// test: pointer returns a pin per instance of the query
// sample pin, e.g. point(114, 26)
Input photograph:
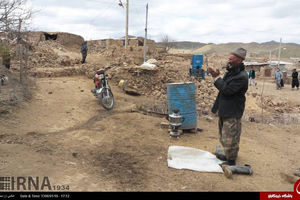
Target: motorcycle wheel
point(106, 99)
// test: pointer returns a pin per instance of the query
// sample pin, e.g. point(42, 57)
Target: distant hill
point(254, 49)
point(184, 45)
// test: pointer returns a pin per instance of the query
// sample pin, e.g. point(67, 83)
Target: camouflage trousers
point(230, 131)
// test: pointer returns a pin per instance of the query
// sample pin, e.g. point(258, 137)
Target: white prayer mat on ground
point(180, 157)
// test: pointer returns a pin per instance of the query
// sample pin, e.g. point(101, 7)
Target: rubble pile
point(216, 61)
point(95, 46)
point(53, 59)
point(45, 54)
point(58, 55)
point(153, 82)
point(280, 106)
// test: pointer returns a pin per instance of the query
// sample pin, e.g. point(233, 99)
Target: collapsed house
point(133, 42)
point(66, 39)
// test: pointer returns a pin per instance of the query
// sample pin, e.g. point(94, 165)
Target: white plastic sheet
point(149, 64)
point(151, 61)
point(180, 157)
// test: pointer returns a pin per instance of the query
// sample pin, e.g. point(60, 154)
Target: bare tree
point(167, 42)
point(14, 20)
point(12, 12)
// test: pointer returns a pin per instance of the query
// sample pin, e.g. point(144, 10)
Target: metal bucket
point(182, 96)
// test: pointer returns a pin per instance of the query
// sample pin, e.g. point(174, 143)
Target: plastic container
point(182, 96)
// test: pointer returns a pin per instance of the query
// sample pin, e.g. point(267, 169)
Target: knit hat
point(240, 52)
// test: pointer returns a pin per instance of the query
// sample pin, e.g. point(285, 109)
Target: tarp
point(180, 157)
point(149, 64)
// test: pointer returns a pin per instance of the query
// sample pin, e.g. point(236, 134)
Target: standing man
point(295, 79)
point(230, 104)
point(278, 77)
point(252, 76)
point(84, 50)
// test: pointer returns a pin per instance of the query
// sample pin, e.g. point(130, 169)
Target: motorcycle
point(102, 90)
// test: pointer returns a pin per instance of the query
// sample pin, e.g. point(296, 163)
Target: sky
point(206, 21)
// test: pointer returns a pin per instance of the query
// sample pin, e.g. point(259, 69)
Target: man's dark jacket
point(295, 80)
point(232, 88)
point(84, 48)
point(295, 75)
point(252, 74)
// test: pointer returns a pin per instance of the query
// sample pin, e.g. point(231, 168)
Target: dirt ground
point(63, 133)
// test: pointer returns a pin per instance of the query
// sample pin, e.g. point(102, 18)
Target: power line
point(100, 2)
point(104, 13)
point(99, 16)
point(139, 14)
point(134, 7)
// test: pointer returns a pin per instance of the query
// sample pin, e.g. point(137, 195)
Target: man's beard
point(231, 65)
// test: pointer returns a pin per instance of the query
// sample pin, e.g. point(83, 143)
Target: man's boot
point(220, 154)
point(228, 162)
point(236, 169)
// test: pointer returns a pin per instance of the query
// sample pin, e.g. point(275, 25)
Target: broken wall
point(68, 40)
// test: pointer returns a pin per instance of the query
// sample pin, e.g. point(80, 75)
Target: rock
point(251, 119)
point(208, 118)
point(132, 91)
point(199, 129)
point(70, 163)
point(4, 111)
point(254, 94)
point(164, 125)
point(184, 187)
point(74, 154)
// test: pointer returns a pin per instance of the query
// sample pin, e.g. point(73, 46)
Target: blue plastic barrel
point(182, 96)
point(197, 60)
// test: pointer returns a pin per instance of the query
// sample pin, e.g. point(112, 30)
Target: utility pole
point(20, 50)
point(126, 31)
point(279, 51)
point(146, 29)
